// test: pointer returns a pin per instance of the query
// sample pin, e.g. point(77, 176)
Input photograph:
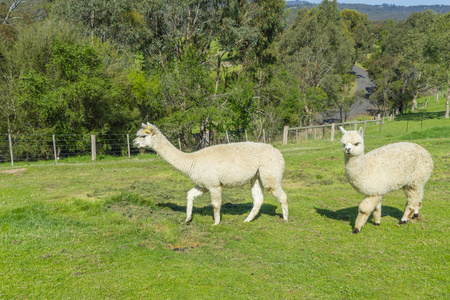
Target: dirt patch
point(13, 171)
point(183, 246)
point(331, 158)
point(130, 211)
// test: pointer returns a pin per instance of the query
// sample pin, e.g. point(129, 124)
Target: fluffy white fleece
point(227, 165)
point(406, 166)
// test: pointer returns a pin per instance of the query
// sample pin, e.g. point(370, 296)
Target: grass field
point(115, 229)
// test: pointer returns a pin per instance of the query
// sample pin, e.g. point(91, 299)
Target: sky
point(396, 2)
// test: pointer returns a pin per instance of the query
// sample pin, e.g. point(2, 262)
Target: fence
point(20, 147)
point(322, 131)
point(31, 147)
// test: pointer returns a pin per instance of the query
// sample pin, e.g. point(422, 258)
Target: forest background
point(206, 66)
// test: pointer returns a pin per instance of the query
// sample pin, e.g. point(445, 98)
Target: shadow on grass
point(350, 214)
point(421, 115)
point(226, 209)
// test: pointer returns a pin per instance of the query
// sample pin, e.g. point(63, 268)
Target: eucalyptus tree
point(407, 41)
point(438, 54)
point(360, 27)
point(316, 49)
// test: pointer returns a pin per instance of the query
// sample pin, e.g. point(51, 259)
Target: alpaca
point(216, 167)
point(388, 168)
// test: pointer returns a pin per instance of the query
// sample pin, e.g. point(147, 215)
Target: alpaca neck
point(178, 159)
point(354, 163)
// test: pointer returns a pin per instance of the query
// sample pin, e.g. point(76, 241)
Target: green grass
point(115, 229)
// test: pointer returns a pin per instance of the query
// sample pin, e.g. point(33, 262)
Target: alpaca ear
point(150, 129)
point(361, 131)
point(342, 130)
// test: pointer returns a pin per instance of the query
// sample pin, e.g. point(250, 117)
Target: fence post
point(381, 124)
point(332, 132)
point(365, 123)
point(128, 145)
point(11, 150)
point(246, 137)
point(93, 148)
point(228, 139)
point(285, 134)
point(54, 148)
point(264, 136)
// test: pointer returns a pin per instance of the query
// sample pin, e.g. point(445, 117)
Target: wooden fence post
point(128, 145)
point(381, 124)
point(264, 136)
point(93, 148)
point(228, 139)
point(54, 148)
point(11, 150)
point(246, 137)
point(285, 135)
point(332, 131)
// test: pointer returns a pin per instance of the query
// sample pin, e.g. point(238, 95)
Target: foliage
point(199, 68)
point(317, 50)
point(404, 65)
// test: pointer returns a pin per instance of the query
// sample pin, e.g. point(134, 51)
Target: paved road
point(362, 106)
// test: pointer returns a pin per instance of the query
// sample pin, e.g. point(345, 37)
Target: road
point(363, 105)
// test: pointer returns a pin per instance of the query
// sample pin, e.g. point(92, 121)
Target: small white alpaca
point(216, 167)
point(388, 168)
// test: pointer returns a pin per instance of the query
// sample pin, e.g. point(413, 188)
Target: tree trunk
point(219, 62)
point(414, 104)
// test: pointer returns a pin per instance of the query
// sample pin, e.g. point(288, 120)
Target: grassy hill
point(115, 229)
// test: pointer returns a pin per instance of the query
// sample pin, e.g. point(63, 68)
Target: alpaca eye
point(356, 144)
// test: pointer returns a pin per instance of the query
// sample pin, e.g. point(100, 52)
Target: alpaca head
point(145, 136)
point(352, 142)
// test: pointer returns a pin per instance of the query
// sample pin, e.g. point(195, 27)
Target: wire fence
point(33, 147)
point(58, 147)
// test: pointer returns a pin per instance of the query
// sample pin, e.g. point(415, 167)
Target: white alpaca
point(388, 168)
point(216, 167)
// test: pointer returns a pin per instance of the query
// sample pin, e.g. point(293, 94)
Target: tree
point(57, 83)
point(438, 54)
point(360, 27)
point(316, 48)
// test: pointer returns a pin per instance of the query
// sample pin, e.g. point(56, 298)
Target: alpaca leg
point(258, 199)
point(216, 201)
point(280, 195)
point(377, 215)
point(366, 207)
point(191, 195)
point(414, 203)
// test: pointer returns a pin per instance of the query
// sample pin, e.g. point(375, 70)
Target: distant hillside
point(375, 12)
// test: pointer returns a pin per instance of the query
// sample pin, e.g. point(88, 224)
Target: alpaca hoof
point(355, 231)
point(376, 224)
point(416, 216)
point(188, 220)
point(402, 222)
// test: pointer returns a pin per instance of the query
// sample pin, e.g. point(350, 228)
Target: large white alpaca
point(388, 168)
point(216, 167)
